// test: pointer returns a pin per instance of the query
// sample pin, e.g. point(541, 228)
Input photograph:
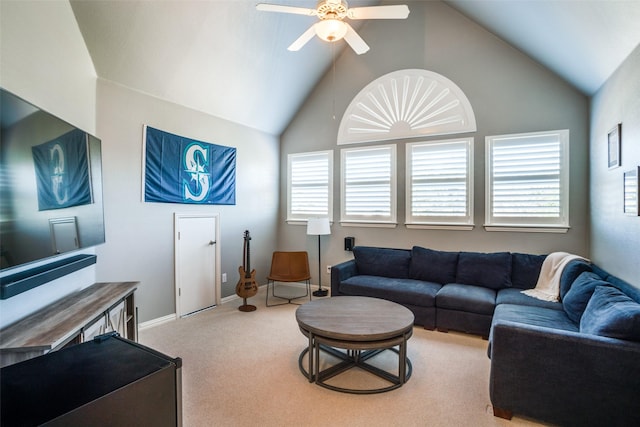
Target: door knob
point(211, 243)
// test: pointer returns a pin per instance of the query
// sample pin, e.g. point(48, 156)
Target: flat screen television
point(50, 186)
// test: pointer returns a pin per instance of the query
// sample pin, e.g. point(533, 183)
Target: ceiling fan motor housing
point(332, 9)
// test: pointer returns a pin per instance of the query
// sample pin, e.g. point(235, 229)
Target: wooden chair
point(288, 267)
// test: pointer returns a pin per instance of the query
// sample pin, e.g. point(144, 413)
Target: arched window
point(406, 104)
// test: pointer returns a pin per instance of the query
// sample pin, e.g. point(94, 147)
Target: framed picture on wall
point(613, 144)
point(631, 190)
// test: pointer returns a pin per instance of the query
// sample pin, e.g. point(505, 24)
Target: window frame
point(291, 158)
point(388, 221)
point(558, 224)
point(450, 222)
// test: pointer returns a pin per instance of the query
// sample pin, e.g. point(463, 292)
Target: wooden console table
point(78, 317)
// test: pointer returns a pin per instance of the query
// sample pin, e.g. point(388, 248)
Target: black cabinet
point(110, 381)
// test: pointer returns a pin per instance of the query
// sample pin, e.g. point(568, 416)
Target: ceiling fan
point(332, 26)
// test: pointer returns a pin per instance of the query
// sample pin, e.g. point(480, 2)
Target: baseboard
point(155, 322)
point(229, 298)
point(168, 318)
point(260, 287)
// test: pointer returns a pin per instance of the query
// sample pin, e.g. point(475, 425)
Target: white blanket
point(548, 286)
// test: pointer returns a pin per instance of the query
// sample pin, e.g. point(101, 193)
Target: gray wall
point(615, 237)
point(509, 92)
point(140, 235)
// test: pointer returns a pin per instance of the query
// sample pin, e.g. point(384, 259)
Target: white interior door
point(197, 262)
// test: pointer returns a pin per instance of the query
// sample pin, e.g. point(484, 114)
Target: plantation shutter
point(369, 184)
point(528, 177)
point(439, 182)
point(310, 183)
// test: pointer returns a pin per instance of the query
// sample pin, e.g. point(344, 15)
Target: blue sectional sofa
point(572, 362)
point(444, 290)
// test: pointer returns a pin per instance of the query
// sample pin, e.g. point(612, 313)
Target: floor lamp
point(319, 227)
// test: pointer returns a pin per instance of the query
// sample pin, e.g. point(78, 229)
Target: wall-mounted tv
point(50, 186)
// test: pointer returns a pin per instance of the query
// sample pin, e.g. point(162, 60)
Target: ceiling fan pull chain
point(333, 55)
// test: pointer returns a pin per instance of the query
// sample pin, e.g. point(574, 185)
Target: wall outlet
point(328, 269)
point(224, 277)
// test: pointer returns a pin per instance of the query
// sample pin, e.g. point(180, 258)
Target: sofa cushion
point(491, 270)
point(515, 296)
point(570, 273)
point(472, 299)
point(534, 316)
point(525, 269)
point(612, 314)
point(382, 261)
point(576, 300)
point(402, 291)
point(433, 266)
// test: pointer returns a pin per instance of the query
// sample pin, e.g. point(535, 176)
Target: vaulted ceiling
point(225, 58)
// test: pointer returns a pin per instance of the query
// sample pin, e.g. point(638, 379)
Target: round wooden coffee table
point(355, 329)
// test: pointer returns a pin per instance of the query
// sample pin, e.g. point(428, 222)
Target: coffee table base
point(354, 358)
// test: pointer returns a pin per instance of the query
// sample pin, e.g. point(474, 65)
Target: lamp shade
point(331, 30)
point(318, 226)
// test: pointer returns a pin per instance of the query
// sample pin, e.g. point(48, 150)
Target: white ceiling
point(225, 58)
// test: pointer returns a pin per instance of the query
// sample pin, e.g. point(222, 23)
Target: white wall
point(509, 92)
point(615, 237)
point(43, 59)
point(140, 235)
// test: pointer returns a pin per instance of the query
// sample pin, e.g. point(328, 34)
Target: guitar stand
point(246, 307)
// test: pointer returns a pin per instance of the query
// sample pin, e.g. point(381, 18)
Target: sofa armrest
point(564, 377)
point(342, 272)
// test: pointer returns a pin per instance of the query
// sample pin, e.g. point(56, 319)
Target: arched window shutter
point(406, 104)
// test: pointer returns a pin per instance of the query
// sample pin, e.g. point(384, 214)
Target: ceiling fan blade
point(355, 41)
point(400, 11)
point(303, 39)
point(265, 7)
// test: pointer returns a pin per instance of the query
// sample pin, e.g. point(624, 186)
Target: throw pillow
point(491, 270)
point(612, 314)
point(570, 274)
point(433, 266)
point(525, 270)
point(576, 300)
point(382, 261)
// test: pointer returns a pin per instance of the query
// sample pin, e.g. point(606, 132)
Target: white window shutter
point(369, 184)
point(527, 179)
point(440, 182)
point(310, 185)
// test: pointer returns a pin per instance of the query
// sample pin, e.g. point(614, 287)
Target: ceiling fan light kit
point(332, 26)
point(330, 30)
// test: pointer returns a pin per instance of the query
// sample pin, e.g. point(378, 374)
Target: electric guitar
point(247, 286)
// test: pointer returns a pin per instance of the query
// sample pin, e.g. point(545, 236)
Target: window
point(406, 104)
point(527, 181)
point(369, 185)
point(310, 185)
point(440, 184)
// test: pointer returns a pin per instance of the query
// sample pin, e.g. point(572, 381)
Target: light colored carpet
point(241, 369)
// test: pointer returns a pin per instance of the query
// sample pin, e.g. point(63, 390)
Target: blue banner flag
point(183, 170)
point(62, 171)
